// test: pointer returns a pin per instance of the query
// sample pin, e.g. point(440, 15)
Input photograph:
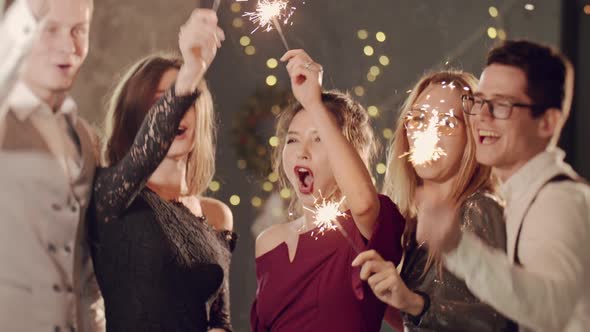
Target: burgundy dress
point(320, 290)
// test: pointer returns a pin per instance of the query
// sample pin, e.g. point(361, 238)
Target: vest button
point(56, 207)
point(56, 288)
point(51, 247)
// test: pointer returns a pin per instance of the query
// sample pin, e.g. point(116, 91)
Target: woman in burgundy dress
point(305, 278)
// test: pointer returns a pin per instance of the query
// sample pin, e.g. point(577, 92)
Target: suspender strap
point(557, 178)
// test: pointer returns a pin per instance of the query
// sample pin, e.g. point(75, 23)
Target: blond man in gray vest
point(48, 162)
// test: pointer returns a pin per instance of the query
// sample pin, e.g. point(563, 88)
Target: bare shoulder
point(270, 238)
point(218, 214)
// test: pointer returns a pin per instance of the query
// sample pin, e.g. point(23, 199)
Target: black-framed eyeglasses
point(498, 108)
point(419, 119)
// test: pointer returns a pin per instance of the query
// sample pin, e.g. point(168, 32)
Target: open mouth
point(487, 136)
point(305, 177)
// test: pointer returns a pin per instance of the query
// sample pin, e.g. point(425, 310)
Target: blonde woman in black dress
point(161, 251)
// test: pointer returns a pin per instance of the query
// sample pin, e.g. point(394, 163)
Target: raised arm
point(18, 28)
point(349, 170)
point(116, 186)
point(543, 294)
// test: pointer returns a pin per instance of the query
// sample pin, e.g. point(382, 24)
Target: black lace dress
point(159, 267)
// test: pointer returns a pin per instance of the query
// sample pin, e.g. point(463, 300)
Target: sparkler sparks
point(269, 14)
point(269, 11)
point(326, 214)
point(426, 149)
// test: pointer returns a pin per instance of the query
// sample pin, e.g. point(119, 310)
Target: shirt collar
point(520, 182)
point(23, 103)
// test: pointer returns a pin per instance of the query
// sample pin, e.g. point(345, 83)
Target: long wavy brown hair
point(130, 102)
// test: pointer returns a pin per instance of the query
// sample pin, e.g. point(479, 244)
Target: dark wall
point(576, 34)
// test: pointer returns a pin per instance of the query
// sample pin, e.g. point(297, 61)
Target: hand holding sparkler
point(386, 283)
point(306, 77)
point(198, 40)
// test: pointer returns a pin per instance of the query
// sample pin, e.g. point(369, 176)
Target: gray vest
point(43, 249)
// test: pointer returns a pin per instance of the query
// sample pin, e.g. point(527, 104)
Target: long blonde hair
point(352, 118)
point(401, 179)
point(130, 102)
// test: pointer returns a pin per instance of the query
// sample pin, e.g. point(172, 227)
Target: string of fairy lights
point(372, 46)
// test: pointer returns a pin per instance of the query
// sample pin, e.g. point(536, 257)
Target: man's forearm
point(17, 30)
point(537, 302)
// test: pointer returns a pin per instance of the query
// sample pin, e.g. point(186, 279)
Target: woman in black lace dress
point(161, 252)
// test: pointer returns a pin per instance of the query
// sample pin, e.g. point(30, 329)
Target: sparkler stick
point(269, 13)
point(356, 249)
point(280, 31)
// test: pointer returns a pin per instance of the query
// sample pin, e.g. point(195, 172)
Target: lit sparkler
point(426, 149)
point(326, 214)
point(269, 14)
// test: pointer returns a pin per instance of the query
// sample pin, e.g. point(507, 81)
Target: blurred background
point(375, 49)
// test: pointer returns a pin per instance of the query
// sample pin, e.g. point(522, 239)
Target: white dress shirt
point(549, 291)
point(53, 126)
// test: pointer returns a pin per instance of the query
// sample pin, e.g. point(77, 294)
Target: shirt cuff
point(19, 23)
point(465, 259)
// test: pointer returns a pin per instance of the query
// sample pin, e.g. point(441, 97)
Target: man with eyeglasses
point(516, 114)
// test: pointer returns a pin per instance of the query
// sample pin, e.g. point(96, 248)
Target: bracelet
point(417, 319)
